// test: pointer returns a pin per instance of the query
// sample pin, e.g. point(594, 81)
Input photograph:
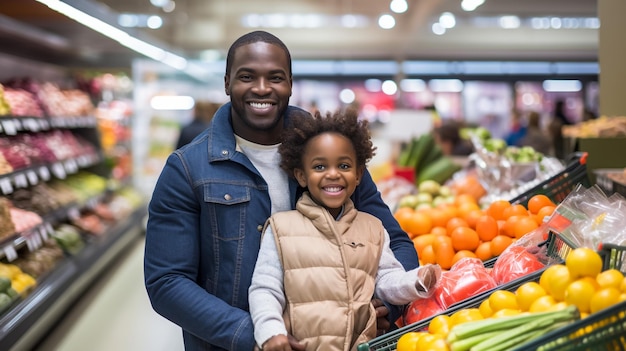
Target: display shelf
point(23, 325)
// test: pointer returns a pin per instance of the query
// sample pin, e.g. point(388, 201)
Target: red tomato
point(421, 309)
point(515, 262)
point(465, 279)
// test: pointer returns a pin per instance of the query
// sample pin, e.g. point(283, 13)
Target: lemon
point(604, 298)
point(610, 278)
point(579, 293)
point(527, 293)
point(501, 299)
point(584, 262)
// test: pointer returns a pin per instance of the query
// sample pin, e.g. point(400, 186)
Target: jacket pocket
point(226, 209)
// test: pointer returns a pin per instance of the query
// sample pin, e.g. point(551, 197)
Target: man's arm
point(367, 199)
point(171, 263)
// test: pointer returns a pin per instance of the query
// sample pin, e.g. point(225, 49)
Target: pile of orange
point(446, 233)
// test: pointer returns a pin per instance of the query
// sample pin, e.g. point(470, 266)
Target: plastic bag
point(466, 278)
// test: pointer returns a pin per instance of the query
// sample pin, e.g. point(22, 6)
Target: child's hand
point(427, 278)
point(277, 343)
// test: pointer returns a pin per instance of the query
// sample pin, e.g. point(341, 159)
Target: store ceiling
point(29, 29)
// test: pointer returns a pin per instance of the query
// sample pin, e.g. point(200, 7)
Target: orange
point(545, 211)
point(454, 223)
point(427, 255)
point(439, 231)
point(461, 199)
point(501, 299)
point(464, 238)
point(584, 262)
point(486, 227)
point(444, 253)
point(537, 202)
point(438, 217)
point(409, 341)
point(419, 223)
point(483, 251)
point(450, 210)
point(462, 254)
point(421, 241)
point(604, 298)
point(610, 278)
point(527, 293)
point(499, 244)
point(496, 208)
point(579, 293)
point(523, 226)
point(403, 215)
point(514, 210)
point(465, 208)
point(472, 217)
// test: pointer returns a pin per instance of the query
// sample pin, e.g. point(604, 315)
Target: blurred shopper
point(214, 195)
point(325, 252)
point(555, 129)
point(448, 137)
point(202, 114)
point(517, 131)
point(535, 136)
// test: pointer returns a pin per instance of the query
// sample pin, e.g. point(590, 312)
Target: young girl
point(320, 265)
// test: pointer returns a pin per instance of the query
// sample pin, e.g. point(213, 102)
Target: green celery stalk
point(467, 343)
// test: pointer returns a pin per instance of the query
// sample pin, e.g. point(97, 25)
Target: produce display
point(601, 127)
point(506, 319)
point(425, 158)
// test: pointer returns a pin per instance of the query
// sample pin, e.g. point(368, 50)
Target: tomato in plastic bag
point(515, 262)
point(467, 278)
point(421, 309)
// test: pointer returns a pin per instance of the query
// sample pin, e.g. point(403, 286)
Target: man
point(214, 196)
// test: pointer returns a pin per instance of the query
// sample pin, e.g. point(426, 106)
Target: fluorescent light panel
point(117, 34)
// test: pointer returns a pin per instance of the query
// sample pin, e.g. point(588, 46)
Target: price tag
point(58, 170)
point(10, 253)
point(32, 177)
point(9, 127)
point(33, 240)
point(49, 228)
point(44, 173)
point(6, 186)
point(43, 232)
point(71, 167)
point(20, 180)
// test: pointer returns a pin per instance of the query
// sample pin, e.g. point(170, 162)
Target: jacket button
point(224, 152)
point(227, 197)
point(259, 227)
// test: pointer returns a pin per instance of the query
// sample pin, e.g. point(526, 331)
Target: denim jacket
point(205, 220)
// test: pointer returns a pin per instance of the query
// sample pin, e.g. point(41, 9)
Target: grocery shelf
point(23, 325)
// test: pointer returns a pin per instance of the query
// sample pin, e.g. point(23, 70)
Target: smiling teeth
point(260, 105)
point(333, 189)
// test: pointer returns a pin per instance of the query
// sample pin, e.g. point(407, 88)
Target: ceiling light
point(373, 85)
point(154, 22)
point(445, 85)
point(172, 102)
point(159, 3)
point(389, 87)
point(553, 85)
point(347, 96)
point(447, 20)
point(412, 85)
point(509, 22)
point(386, 22)
point(398, 6)
point(169, 7)
point(438, 29)
point(471, 5)
point(154, 52)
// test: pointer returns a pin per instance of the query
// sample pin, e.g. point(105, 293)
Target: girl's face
point(330, 170)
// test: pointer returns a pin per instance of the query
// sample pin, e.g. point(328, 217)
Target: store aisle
point(115, 314)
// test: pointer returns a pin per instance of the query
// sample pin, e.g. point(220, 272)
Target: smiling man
point(215, 194)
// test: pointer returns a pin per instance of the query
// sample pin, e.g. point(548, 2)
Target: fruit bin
point(558, 187)
point(557, 247)
point(610, 186)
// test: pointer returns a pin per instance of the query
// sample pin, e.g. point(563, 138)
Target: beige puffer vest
point(330, 269)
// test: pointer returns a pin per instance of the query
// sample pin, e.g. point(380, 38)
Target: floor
point(115, 314)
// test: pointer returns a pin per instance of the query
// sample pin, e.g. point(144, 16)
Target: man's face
point(259, 86)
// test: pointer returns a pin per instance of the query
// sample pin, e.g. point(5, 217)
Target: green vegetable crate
point(559, 186)
point(604, 330)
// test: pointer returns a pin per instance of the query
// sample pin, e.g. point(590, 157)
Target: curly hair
point(305, 127)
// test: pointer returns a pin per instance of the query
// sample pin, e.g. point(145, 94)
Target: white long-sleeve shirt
point(267, 297)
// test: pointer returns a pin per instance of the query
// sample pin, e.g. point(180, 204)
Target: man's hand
point(382, 323)
point(295, 344)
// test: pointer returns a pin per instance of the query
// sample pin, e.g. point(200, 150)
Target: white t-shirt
point(266, 159)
